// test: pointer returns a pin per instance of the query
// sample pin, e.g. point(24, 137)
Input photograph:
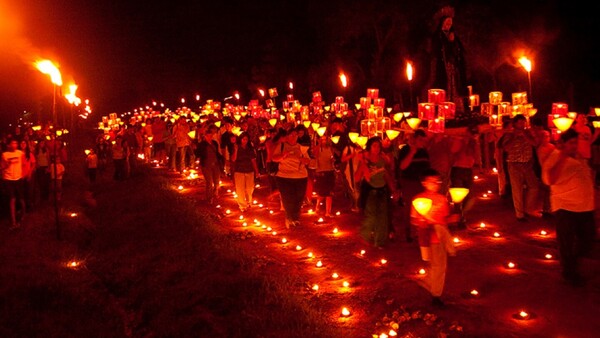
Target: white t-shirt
point(574, 189)
point(14, 159)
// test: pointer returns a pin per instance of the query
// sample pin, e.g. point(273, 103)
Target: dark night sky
point(125, 53)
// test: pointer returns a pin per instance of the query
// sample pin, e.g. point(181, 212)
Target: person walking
point(572, 201)
point(434, 237)
point(13, 165)
point(292, 176)
point(376, 187)
point(245, 169)
point(519, 146)
point(211, 162)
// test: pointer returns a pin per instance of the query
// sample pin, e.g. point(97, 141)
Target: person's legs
point(565, 235)
point(381, 224)
point(438, 269)
point(249, 187)
point(515, 172)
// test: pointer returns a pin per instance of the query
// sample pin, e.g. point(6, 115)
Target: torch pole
point(54, 165)
point(530, 91)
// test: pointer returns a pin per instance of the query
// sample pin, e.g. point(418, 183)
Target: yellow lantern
point(422, 205)
point(597, 111)
point(353, 136)
point(192, 134)
point(273, 122)
point(458, 194)
point(321, 131)
point(362, 141)
point(392, 134)
point(218, 124)
point(413, 122)
point(398, 116)
point(87, 151)
point(306, 124)
point(315, 126)
point(596, 124)
point(357, 105)
point(335, 139)
point(563, 123)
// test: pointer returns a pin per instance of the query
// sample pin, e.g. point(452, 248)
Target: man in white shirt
point(572, 200)
point(13, 166)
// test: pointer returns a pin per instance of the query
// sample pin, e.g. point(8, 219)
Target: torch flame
point(526, 63)
point(409, 71)
point(47, 67)
point(344, 80)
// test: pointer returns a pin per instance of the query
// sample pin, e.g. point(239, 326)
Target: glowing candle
point(548, 256)
point(511, 265)
point(241, 217)
point(298, 248)
point(319, 264)
point(346, 284)
point(474, 292)
point(523, 315)
point(337, 213)
point(335, 275)
point(421, 271)
point(180, 187)
point(362, 252)
point(335, 230)
point(383, 261)
point(543, 233)
point(456, 240)
point(315, 287)
point(244, 224)
point(496, 234)
point(482, 225)
point(73, 214)
point(310, 255)
point(345, 312)
point(284, 240)
point(274, 233)
point(228, 211)
point(320, 220)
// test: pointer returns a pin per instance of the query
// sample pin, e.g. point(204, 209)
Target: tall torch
point(409, 76)
point(48, 68)
point(526, 63)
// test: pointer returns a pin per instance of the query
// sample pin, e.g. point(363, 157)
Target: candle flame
point(345, 312)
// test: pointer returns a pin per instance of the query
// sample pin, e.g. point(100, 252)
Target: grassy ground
point(150, 264)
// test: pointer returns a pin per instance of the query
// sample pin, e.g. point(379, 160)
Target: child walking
point(432, 229)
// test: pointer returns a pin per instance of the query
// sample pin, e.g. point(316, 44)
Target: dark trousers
point(292, 192)
point(575, 232)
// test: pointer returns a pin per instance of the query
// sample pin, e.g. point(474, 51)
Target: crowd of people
point(31, 160)
point(319, 168)
point(380, 180)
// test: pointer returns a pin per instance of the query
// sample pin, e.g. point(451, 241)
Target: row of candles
point(423, 206)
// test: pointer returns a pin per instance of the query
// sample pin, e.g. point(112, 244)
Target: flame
point(262, 92)
point(48, 68)
point(526, 63)
point(291, 85)
point(343, 80)
point(409, 71)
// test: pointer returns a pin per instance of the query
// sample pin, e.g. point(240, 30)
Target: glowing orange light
point(298, 248)
point(422, 271)
point(383, 261)
point(343, 80)
point(315, 287)
point(543, 233)
point(345, 312)
point(335, 275)
point(496, 234)
point(474, 292)
point(284, 240)
point(409, 71)
point(526, 63)
point(548, 256)
point(511, 265)
point(319, 264)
